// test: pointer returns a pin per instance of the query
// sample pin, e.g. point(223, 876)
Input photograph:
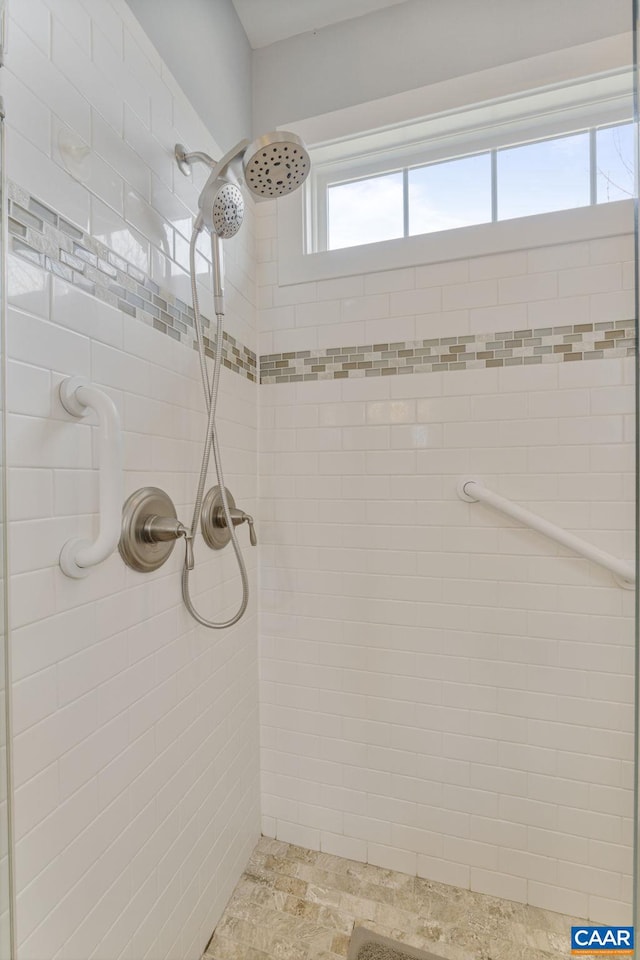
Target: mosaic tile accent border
point(43, 237)
point(506, 348)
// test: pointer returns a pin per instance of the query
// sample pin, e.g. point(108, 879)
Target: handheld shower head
point(271, 166)
point(222, 207)
point(276, 164)
point(221, 212)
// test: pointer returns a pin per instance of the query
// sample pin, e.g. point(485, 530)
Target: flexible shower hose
point(210, 443)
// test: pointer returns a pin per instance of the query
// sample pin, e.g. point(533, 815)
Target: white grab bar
point(79, 397)
point(473, 490)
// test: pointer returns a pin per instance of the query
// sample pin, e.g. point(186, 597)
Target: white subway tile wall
point(442, 691)
point(136, 730)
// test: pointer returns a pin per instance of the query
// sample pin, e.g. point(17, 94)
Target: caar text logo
point(601, 941)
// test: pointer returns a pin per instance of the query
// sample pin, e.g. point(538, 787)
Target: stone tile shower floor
point(297, 904)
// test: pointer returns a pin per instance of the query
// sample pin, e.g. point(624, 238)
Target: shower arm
point(185, 160)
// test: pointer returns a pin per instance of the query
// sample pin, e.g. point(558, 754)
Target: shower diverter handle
point(214, 523)
point(238, 517)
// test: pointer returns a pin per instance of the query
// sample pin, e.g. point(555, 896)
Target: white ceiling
point(266, 21)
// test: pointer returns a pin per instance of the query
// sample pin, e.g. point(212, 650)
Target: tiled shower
point(438, 690)
point(419, 683)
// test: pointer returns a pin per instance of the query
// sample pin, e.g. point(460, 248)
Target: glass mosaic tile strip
point(506, 348)
point(41, 236)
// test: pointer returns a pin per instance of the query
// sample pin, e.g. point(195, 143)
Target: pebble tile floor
point(298, 904)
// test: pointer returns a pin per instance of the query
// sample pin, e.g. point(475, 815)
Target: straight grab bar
point(474, 490)
point(79, 397)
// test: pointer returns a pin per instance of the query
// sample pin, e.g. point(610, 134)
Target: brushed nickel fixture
point(272, 166)
point(215, 531)
point(150, 528)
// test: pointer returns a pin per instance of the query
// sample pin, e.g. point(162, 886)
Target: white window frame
point(327, 178)
point(528, 113)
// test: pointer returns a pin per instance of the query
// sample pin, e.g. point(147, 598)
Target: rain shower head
point(276, 164)
point(272, 166)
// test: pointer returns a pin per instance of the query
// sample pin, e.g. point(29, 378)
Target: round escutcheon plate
point(138, 552)
point(214, 529)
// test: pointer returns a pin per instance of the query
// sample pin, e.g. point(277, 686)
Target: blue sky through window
point(365, 211)
point(545, 176)
point(531, 178)
point(455, 193)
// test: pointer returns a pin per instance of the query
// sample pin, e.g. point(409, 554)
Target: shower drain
point(366, 945)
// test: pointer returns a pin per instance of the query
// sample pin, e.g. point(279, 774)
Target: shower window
point(577, 169)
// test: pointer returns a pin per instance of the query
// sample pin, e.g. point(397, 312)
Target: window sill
point(547, 229)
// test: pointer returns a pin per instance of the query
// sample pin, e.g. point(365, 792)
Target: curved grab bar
point(473, 490)
point(79, 397)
